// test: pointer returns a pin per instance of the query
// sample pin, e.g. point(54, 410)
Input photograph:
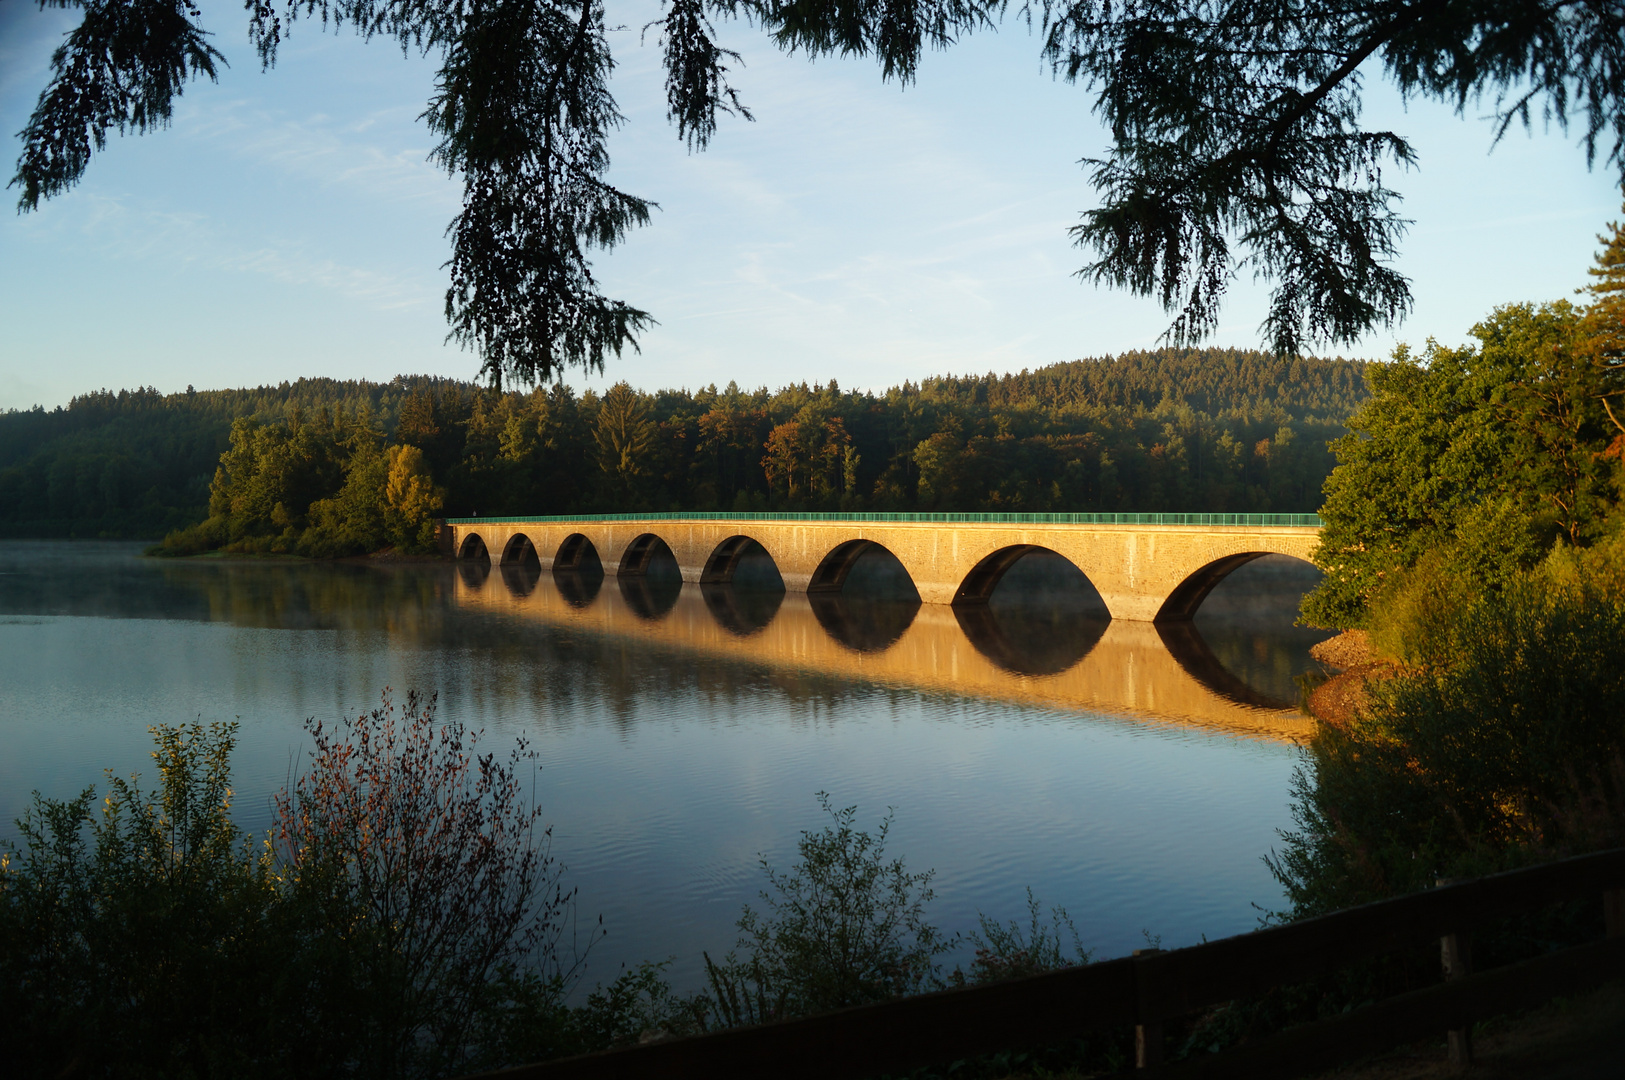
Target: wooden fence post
point(1147, 1036)
point(1456, 954)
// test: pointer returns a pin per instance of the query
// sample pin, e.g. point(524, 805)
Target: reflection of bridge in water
point(1164, 672)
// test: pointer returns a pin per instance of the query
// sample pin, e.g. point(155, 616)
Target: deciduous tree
point(1485, 455)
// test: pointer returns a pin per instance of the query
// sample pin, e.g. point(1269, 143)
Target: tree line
point(1211, 429)
point(1193, 430)
point(138, 463)
point(1196, 430)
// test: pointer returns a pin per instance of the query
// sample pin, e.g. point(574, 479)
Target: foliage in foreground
point(847, 926)
point(1499, 741)
point(404, 898)
point(842, 927)
point(1474, 525)
point(1236, 137)
point(403, 918)
point(144, 937)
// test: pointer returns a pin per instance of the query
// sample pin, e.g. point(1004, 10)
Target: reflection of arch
point(640, 553)
point(741, 613)
point(1192, 653)
point(649, 599)
point(1189, 594)
point(519, 549)
point(474, 571)
point(1029, 646)
point(473, 547)
point(577, 553)
point(861, 623)
point(521, 575)
point(727, 556)
point(578, 587)
point(836, 566)
point(984, 577)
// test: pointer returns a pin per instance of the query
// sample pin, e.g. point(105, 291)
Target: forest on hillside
point(1197, 430)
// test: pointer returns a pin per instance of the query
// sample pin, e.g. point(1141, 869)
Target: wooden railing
point(1152, 987)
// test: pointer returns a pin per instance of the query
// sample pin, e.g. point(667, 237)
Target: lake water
point(1133, 775)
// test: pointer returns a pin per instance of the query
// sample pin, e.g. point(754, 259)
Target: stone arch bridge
point(1147, 567)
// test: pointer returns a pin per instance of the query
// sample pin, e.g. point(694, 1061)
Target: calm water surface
point(1132, 775)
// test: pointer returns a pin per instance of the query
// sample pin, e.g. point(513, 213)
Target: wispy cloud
point(17, 392)
point(123, 231)
point(380, 155)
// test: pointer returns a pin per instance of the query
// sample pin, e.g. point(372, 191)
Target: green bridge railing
point(1288, 520)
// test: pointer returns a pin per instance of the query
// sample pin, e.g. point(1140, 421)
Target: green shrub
point(139, 939)
point(1501, 744)
point(1487, 454)
point(422, 857)
point(1009, 951)
point(403, 919)
point(192, 540)
point(842, 927)
point(1411, 622)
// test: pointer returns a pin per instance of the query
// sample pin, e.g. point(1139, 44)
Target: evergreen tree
point(1606, 321)
point(625, 438)
point(1236, 140)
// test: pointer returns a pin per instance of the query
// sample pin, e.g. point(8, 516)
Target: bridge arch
point(831, 572)
point(978, 586)
point(742, 553)
point(519, 549)
point(837, 565)
point(473, 547)
point(1182, 603)
point(642, 553)
point(577, 553)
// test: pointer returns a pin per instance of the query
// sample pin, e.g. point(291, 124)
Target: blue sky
point(289, 224)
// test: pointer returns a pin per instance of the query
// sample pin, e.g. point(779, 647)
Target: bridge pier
point(1143, 572)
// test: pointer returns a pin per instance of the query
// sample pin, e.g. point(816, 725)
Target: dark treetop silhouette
point(1235, 127)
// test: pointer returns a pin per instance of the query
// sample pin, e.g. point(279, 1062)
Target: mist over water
point(1132, 774)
